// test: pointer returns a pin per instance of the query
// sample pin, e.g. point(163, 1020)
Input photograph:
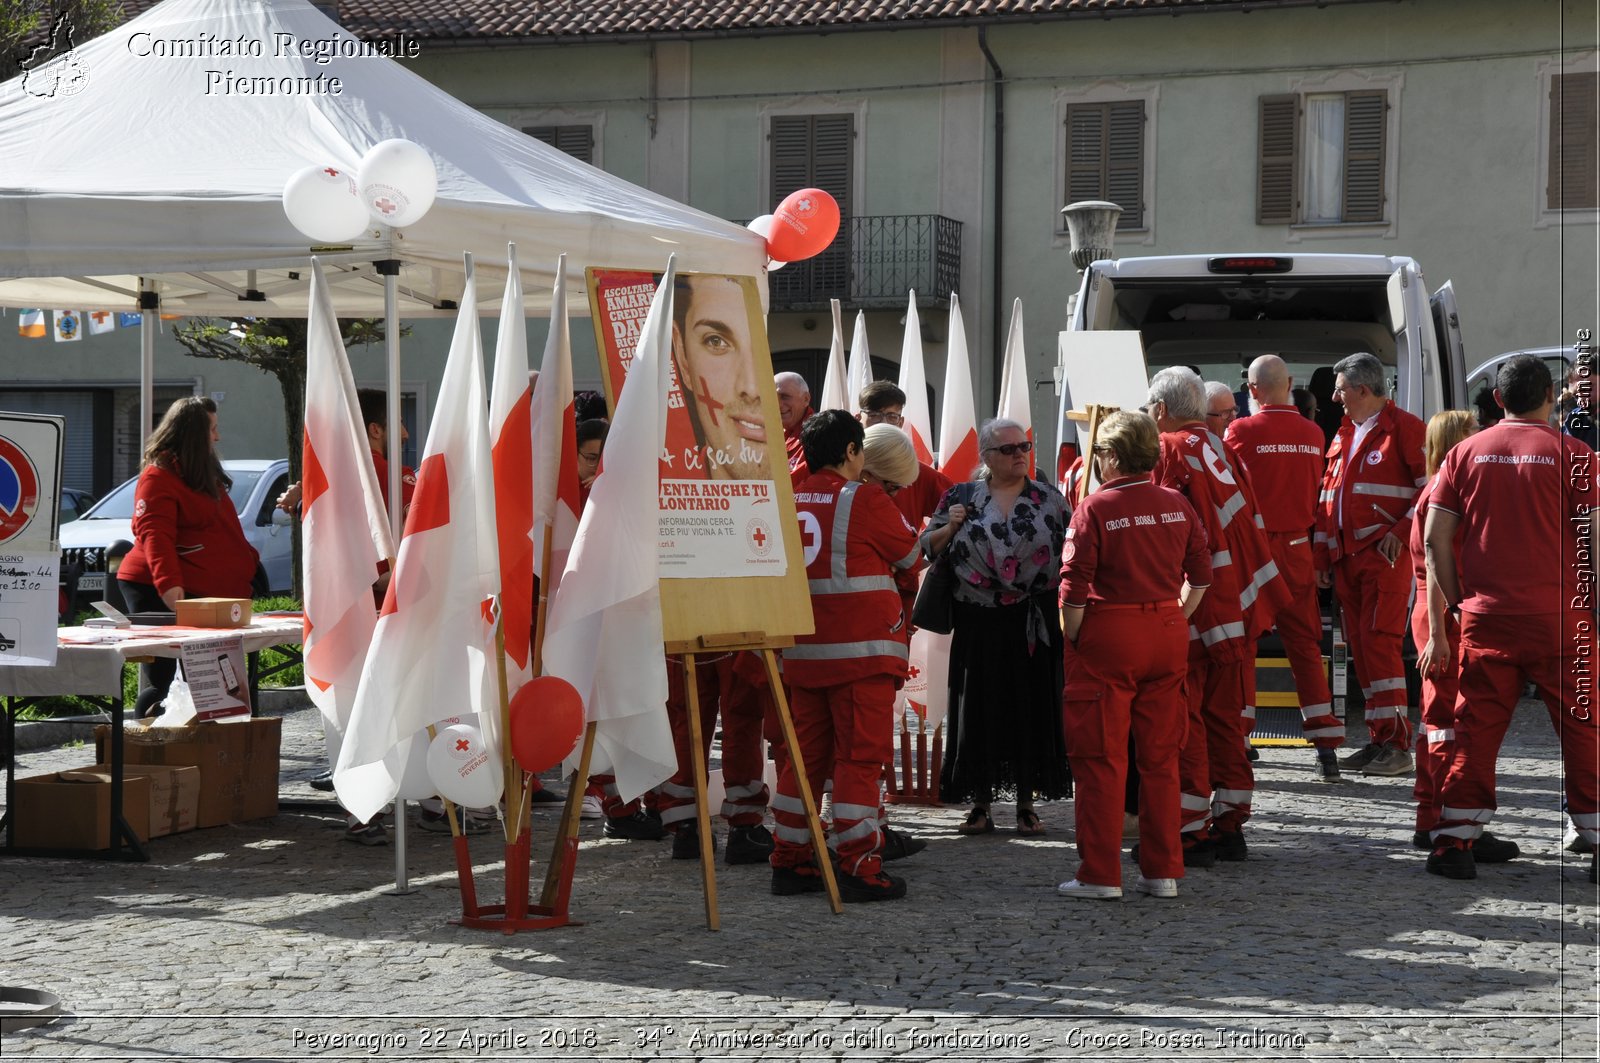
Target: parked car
point(74, 502)
point(256, 487)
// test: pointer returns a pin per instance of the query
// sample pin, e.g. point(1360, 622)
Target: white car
point(256, 487)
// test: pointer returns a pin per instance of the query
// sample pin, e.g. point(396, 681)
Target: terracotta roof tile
point(556, 19)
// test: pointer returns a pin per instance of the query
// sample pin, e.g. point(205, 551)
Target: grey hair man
point(1361, 548)
point(1221, 407)
point(1177, 397)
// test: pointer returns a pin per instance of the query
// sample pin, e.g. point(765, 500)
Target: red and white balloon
point(321, 202)
point(398, 182)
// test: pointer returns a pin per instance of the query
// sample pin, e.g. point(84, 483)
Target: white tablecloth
point(90, 660)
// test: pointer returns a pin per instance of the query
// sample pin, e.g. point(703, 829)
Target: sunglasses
point(1011, 450)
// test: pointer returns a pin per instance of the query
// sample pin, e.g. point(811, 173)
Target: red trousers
point(846, 733)
point(1213, 768)
point(1300, 627)
point(1556, 652)
point(1373, 595)
point(1436, 738)
point(1127, 673)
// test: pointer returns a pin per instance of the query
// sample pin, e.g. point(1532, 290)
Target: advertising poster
point(215, 672)
point(719, 513)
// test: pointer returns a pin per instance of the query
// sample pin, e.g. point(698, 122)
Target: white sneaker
point(1089, 891)
point(592, 808)
point(1157, 887)
point(1574, 842)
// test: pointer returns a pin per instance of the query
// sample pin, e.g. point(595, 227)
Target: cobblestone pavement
point(277, 940)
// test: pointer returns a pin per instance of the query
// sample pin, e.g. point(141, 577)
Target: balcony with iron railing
point(872, 264)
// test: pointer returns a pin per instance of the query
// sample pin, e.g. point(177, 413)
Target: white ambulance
point(1218, 312)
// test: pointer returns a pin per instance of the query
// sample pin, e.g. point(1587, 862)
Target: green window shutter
point(1365, 124)
point(575, 140)
point(1125, 161)
point(1277, 159)
point(1086, 152)
point(1573, 158)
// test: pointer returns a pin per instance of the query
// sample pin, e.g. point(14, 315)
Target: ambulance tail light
point(1251, 264)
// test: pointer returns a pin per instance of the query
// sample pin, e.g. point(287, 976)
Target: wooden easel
point(1091, 414)
point(767, 647)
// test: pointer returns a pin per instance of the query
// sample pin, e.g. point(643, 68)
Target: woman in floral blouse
point(1004, 532)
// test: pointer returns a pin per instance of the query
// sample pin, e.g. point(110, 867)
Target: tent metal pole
point(148, 302)
point(390, 270)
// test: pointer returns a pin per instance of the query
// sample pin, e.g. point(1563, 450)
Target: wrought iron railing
point(873, 262)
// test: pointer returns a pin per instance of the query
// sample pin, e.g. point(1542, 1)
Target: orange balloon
point(804, 224)
point(546, 719)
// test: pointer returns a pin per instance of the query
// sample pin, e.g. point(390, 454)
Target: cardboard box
point(213, 612)
point(238, 763)
point(72, 809)
point(174, 796)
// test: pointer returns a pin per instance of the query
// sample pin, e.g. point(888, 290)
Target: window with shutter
point(575, 140)
point(1573, 164)
point(815, 151)
point(1105, 157)
point(1322, 158)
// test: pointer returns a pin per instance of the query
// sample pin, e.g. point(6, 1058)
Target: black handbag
point(934, 609)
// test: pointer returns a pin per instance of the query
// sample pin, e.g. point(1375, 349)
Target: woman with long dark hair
point(187, 541)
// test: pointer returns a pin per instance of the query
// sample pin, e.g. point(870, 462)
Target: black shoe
point(1229, 846)
point(898, 846)
point(748, 845)
point(654, 816)
point(1451, 862)
point(686, 841)
point(789, 881)
point(857, 889)
point(638, 827)
point(543, 796)
point(1200, 854)
point(1423, 840)
point(323, 782)
point(1361, 757)
point(1491, 850)
point(1594, 868)
point(1252, 754)
point(1328, 766)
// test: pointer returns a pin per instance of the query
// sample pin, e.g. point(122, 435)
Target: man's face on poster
point(714, 352)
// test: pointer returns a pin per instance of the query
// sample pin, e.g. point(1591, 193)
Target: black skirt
point(1004, 724)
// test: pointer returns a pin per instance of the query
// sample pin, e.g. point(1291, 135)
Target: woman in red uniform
point(187, 542)
point(1437, 636)
point(1125, 604)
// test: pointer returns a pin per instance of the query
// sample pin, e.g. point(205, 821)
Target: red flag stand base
point(518, 913)
point(921, 759)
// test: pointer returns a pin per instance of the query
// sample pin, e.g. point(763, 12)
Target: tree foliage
point(33, 32)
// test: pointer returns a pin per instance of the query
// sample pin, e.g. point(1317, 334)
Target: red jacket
point(1246, 589)
point(1368, 495)
point(859, 622)
point(185, 538)
point(1282, 452)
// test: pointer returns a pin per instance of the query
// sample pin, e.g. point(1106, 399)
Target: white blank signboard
point(1104, 368)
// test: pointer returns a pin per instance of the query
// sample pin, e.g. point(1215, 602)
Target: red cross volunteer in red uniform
point(794, 409)
point(1282, 451)
point(1215, 772)
point(845, 675)
point(1134, 567)
point(1524, 498)
point(1375, 469)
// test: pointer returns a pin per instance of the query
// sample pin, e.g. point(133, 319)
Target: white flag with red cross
point(914, 382)
point(958, 419)
point(511, 452)
point(344, 527)
point(556, 498)
point(1015, 396)
point(433, 654)
point(605, 633)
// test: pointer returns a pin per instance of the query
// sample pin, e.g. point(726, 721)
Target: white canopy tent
point(147, 169)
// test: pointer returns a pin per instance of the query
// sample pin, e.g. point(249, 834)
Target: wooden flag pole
point(819, 843)
point(512, 777)
point(469, 890)
point(708, 866)
point(1092, 414)
point(563, 857)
